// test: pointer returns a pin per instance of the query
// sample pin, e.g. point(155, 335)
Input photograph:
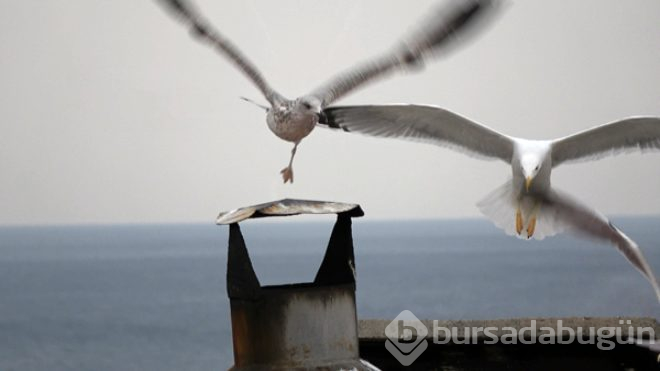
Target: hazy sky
point(111, 113)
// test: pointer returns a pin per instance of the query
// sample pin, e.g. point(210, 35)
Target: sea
point(153, 297)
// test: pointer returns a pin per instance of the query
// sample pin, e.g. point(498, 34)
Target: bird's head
point(530, 164)
point(310, 105)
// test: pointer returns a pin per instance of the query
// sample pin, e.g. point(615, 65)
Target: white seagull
point(526, 206)
point(293, 120)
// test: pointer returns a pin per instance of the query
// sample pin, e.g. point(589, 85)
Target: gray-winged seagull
point(293, 120)
point(527, 202)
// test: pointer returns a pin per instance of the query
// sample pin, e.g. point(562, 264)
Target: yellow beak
point(528, 183)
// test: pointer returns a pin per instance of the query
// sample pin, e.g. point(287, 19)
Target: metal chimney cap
point(288, 207)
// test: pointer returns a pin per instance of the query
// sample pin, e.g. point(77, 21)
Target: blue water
point(153, 297)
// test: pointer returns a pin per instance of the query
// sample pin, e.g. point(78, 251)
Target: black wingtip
point(199, 30)
point(188, 14)
point(448, 26)
point(463, 19)
point(328, 119)
point(179, 7)
point(323, 118)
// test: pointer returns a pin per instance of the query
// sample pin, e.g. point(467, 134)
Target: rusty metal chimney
point(302, 326)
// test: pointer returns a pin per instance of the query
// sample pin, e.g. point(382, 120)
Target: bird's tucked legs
point(287, 172)
point(519, 219)
point(531, 224)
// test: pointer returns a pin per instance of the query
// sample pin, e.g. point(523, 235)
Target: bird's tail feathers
point(501, 205)
point(559, 212)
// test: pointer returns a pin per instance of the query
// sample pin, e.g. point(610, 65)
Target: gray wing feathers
point(350, 80)
point(588, 222)
point(422, 123)
point(444, 25)
point(441, 26)
point(630, 134)
point(204, 31)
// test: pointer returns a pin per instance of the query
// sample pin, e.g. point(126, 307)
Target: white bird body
point(527, 205)
point(293, 120)
point(532, 159)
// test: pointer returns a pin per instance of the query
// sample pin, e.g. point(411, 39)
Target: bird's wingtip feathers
point(444, 25)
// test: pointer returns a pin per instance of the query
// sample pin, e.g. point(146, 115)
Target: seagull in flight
point(526, 206)
point(293, 119)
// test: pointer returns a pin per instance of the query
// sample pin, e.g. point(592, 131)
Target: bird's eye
point(306, 105)
point(536, 168)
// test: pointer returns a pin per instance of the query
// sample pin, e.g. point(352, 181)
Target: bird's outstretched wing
point(442, 26)
point(202, 29)
point(422, 123)
point(585, 221)
point(634, 133)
